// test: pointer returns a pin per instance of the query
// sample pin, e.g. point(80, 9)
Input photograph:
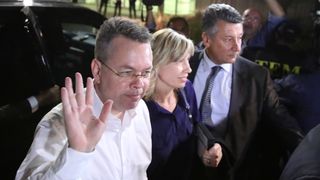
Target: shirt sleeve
point(34, 104)
point(49, 156)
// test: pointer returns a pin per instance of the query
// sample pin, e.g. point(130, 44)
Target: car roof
point(63, 9)
point(38, 3)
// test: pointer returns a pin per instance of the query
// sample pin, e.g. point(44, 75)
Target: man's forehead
point(252, 12)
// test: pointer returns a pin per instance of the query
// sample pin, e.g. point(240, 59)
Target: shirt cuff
point(73, 164)
point(33, 103)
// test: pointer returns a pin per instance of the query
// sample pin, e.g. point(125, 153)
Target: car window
point(69, 39)
point(21, 60)
point(80, 32)
point(34, 56)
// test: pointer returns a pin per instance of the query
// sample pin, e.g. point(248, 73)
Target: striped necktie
point(205, 106)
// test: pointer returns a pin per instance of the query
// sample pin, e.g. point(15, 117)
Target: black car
point(40, 44)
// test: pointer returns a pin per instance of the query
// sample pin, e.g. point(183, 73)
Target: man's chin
point(132, 104)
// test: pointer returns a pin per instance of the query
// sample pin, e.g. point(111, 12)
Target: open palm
point(84, 130)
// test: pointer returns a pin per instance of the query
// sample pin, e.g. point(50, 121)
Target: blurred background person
point(281, 54)
point(103, 5)
point(132, 8)
point(299, 92)
point(256, 28)
point(180, 25)
point(117, 8)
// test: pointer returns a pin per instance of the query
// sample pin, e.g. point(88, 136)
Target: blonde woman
point(174, 150)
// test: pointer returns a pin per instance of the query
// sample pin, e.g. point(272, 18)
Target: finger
point(106, 109)
point(79, 90)
point(206, 155)
point(206, 162)
point(206, 158)
point(67, 109)
point(65, 101)
point(215, 149)
point(72, 100)
point(89, 91)
point(215, 154)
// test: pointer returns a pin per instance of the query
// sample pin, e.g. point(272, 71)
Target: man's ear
point(96, 70)
point(205, 39)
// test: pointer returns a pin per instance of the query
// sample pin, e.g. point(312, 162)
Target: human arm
point(57, 151)
point(275, 8)
point(49, 156)
point(26, 107)
point(210, 157)
point(279, 117)
point(11, 111)
point(49, 96)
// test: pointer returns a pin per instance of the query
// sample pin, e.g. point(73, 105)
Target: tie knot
point(214, 71)
point(215, 68)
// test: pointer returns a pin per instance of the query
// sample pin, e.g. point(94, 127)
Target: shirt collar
point(208, 64)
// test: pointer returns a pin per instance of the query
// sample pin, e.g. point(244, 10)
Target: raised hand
point(213, 156)
point(84, 130)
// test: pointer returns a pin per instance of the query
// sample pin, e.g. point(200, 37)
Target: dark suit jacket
point(254, 104)
point(304, 163)
point(11, 111)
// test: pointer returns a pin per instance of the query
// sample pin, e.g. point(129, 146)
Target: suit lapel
point(194, 64)
point(237, 99)
point(238, 90)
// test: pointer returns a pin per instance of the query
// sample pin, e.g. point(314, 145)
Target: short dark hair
point(215, 12)
point(118, 26)
point(185, 28)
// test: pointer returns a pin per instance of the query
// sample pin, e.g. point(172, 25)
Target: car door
point(69, 35)
point(24, 69)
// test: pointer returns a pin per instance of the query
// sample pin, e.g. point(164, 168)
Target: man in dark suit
point(304, 163)
point(245, 114)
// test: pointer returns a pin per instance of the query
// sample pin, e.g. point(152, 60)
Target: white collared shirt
point(123, 152)
point(220, 94)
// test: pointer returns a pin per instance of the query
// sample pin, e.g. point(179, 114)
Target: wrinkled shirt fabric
point(123, 152)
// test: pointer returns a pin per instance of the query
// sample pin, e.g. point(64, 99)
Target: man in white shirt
point(103, 132)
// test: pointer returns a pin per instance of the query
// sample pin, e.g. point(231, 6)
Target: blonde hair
point(167, 46)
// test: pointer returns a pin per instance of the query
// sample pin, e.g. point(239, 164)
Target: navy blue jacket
point(173, 141)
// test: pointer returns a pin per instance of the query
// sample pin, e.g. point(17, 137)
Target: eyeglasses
point(129, 74)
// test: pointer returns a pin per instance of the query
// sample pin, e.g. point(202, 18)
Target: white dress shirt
point(221, 91)
point(123, 152)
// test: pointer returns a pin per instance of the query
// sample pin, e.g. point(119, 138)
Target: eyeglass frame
point(129, 74)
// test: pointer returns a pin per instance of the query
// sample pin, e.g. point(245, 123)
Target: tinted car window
point(22, 65)
point(71, 48)
point(40, 48)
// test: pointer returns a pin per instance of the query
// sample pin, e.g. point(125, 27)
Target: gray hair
point(215, 12)
point(114, 27)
